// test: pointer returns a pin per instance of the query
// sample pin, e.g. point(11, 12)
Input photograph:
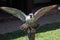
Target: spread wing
point(15, 12)
point(42, 11)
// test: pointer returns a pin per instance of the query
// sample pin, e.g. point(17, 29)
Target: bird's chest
point(31, 23)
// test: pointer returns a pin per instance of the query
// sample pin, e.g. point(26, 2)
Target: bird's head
point(28, 17)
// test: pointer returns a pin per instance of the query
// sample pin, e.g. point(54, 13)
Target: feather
point(15, 12)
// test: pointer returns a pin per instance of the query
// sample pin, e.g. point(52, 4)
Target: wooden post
point(31, 33)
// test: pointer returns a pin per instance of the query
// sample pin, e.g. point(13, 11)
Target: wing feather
point(42, 11)
point(15, 12)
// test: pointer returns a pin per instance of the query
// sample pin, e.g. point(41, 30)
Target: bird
point(29, 20)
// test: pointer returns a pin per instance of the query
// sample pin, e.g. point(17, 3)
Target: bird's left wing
point(15, 12)
point(42, 11)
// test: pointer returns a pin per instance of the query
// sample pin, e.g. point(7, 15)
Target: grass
point(49, 35)
point(46, 32)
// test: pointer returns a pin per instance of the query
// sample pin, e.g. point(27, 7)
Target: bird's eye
point(30, 16)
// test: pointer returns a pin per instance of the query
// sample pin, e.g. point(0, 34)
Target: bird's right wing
point(15, 12)
point(42, 11)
